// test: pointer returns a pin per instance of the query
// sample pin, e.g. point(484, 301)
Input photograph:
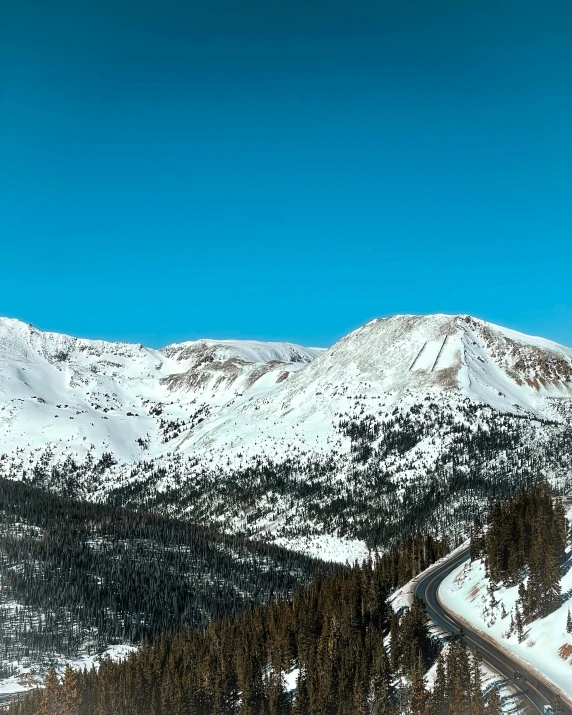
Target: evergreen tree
point(70, 695)
point(477, 540)
point(395, 642)
point(518, 624)
point(50, 703)
point(419, 699)
point(439, 694)
point(529, 531)
point(414, 637)
point(477, 702)
point(494, 703)
point(334, 631)
point(302, 699)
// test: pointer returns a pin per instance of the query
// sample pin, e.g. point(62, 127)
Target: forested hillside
point(334, 647)
point(78, 576)
point(525, 547)
point(517, 588)
point(330, 635)
point(384, 489)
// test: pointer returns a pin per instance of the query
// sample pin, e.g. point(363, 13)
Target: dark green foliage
point(477, 543)
point(483, 455)
point(527, 536)
point(494, 703)
point(414, 642)
point(89, 572)
point(457, 689)
point(333, 631)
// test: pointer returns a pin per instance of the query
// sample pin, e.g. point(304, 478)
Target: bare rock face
point(238, 365)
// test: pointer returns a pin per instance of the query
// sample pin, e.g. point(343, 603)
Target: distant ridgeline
point(76, 576)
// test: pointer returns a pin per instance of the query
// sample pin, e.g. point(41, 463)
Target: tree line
point(387, 490)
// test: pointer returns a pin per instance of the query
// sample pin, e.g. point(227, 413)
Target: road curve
point(532, 692)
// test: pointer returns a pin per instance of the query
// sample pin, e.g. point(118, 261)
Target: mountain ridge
point(247, 434)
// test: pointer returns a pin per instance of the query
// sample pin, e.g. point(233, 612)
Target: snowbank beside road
point(546, 646)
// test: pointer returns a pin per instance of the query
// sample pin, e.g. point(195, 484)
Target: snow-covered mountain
point(395, 362)
point(289, 441)
point(72, 393)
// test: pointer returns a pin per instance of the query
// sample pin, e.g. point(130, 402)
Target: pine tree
point(50, 703)
point(528, 531)
point(560, 528)
point(414, 636)
point(458, 677)
point(384, 700)
point(477, 703)
point(458, 704)
point(394, 643)
point(302, 699)
point(512, 625)
point(494, 703)
point(70, 692)
point(569, 623)
point(419, 697)
point(518, 624)
point(476, 543)
point(439, 695)
point(382, 695)
point(275, 695)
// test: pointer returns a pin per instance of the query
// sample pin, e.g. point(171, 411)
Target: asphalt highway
point(532, 693)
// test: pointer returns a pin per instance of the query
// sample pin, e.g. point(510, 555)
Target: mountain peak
point(245, 392)
point(408, 397)
point(459, 352)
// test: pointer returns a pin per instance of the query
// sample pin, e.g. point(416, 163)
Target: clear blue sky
point(284, 169)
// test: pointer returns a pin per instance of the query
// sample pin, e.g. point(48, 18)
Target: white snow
point(327, 547)
point(290, 679)
point(30, 678)
point(73, 392)
point(222, 404)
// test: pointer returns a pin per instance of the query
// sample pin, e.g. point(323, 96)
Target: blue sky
point(284, 170)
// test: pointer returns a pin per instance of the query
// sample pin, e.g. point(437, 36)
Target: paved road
point(532, 692)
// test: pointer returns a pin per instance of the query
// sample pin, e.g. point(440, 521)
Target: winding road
point(532, 693)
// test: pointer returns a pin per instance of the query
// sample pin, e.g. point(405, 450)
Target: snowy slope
point(73, 393)
point(402, 400)
point(69, 391)
point(397, 361)
point(547, 647)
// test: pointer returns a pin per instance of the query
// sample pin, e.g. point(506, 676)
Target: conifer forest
point(223, 621)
